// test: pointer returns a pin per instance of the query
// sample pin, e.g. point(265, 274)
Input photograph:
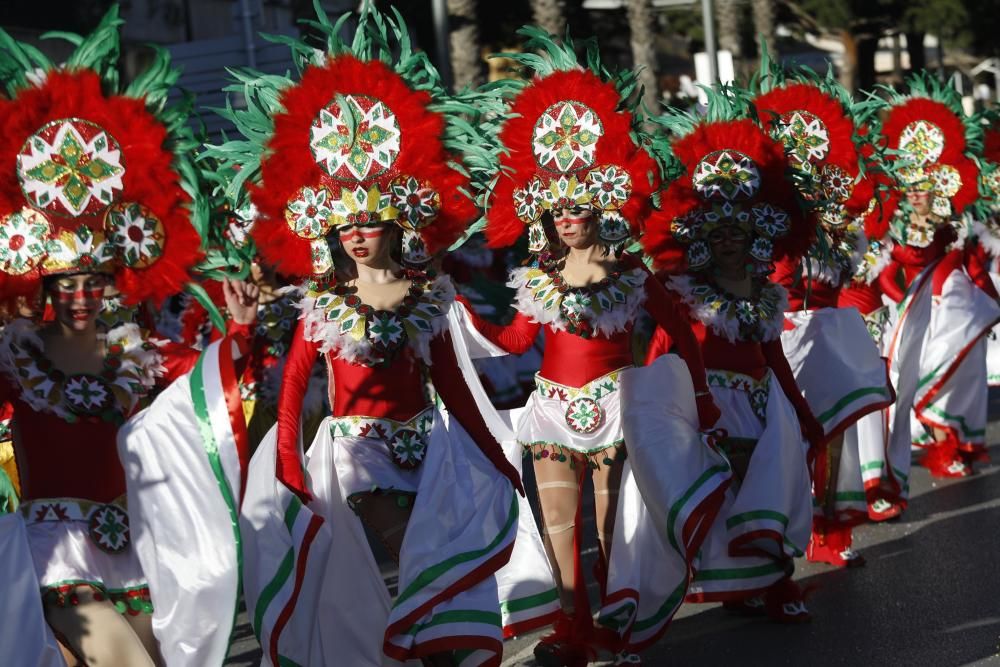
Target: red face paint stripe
point(65, 296)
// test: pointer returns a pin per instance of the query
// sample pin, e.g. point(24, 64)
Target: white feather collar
point(606, 308)
point(735, 319)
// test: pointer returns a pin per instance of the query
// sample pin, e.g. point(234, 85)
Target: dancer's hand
point(510, 472)
point(708, 411)
point(241, 300)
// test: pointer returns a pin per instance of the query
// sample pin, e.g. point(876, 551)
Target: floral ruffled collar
point(603, 308)
point(336, 318)
point(837, 264)
point(131, 366)
point(904, 232)
point(737, 319)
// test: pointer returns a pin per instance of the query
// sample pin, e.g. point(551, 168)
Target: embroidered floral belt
point(107, 523)
point(756, 390)
point(584, 413)
point(407, 441)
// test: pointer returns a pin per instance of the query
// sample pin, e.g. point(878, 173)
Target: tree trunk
point(763, 24)
point(897, 60)
point(849, 68)
point(915, 47)
point(866, 62)
point(727, 21)
point(466, 56)
point(640, 23)
point(550, 15)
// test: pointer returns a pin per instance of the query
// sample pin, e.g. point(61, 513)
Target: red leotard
point(57, 459)
point(908, 261)
point(747, 357)
point(394, 391)
point(574, 361)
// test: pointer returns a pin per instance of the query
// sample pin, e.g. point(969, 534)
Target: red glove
point(708, 411)
point(241, 334)
point(447, 379)
point(496, 456)
point(297, 485)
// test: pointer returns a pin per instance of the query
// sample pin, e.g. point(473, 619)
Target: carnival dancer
point(986, 230)
point(571, 170)
point(353, 154)
point(928, 131)
point(731, 212)
point(96, 198)
point(839, 370)
point(885, 494)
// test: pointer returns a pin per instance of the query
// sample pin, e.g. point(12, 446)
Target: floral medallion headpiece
point(817, 123)
point(727, 173)
point(931, 139)
point(100, 177)
point(568, 144)
point(356, 141)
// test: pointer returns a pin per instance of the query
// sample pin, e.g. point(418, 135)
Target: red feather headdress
point(734, 174)
point(90, 185)
point(818, 136)
point(928, 137)
point(569, 144)
point(354, 144)
point(882, 205)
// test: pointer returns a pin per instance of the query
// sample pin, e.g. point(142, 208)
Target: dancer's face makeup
point(920, 201)
point(77, 299)
point(729, 247)
point(575, 227)
point(367, 245)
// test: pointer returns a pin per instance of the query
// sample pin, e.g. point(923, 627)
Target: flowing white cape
point(25, 637)
point(845, 380)
point(528, 594)
point(182, 465)
point(908, 325)
point(836, 365)
point(673, 486)
point(302, 562)
point(951, 392)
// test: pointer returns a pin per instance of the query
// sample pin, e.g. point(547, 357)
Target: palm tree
point(763, 23)
point(727, 15)
point(466, 60)
point(550, 15)
point(640, 23)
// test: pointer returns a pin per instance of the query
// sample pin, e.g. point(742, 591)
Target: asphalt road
point(929, 595)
